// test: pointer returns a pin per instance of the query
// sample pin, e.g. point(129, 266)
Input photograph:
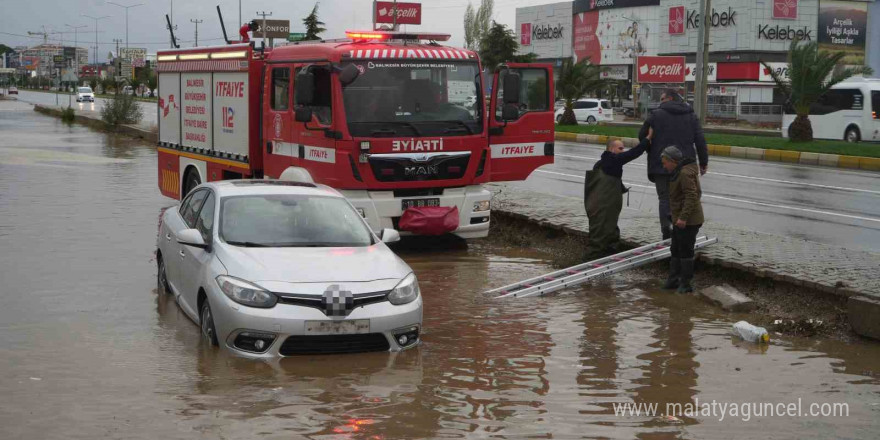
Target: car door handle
point(182, 255)
point(168, 237)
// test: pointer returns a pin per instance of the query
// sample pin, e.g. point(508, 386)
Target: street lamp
point(126, 17)
point(96, 33)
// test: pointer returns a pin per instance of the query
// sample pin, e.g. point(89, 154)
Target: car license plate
point(349, 327)
point(419, 203)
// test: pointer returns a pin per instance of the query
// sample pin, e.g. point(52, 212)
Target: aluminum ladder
point(584, 272)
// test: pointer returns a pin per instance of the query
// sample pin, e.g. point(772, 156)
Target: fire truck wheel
point(191, 181)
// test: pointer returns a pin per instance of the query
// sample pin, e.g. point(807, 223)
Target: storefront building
point(614, 33)
point(545, 31)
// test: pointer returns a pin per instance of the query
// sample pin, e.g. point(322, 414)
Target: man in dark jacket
point(674, 123)
point(603, 195)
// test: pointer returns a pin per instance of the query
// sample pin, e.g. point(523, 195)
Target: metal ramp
point(584, 272)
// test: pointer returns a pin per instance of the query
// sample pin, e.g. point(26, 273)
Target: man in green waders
point(603, 195)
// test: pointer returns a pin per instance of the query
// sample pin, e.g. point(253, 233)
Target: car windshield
point(85, 90)
point(288, 220)
point(425, 98)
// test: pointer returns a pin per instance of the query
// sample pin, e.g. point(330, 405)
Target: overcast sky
point(146, 24)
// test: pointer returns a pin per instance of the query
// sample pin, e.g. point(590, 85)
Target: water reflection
point(90, 349)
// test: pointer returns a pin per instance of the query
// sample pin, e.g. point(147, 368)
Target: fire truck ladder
point(585, 272)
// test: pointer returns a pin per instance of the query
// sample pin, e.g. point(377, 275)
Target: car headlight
point(482, 205)
point(246, 293)
point(406, 291)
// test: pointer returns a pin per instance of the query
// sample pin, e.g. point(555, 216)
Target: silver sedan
point(273, 268)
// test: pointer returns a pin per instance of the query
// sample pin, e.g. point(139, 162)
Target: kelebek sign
point(660, 69)
point(407, 13)
point(785, 9)
point(676, 20)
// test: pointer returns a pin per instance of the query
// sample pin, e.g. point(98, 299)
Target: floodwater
point(88, 349)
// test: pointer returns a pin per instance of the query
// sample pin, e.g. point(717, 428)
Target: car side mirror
point(302, 114)
point(304, 88)
point(389, 236)
point(510, 112)
point(192, 237)
point(348, 74)
point(511, 88)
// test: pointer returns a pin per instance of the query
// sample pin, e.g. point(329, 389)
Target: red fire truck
point(394, 121)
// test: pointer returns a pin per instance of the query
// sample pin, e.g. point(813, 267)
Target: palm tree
point(575, 81)
point(811, 74)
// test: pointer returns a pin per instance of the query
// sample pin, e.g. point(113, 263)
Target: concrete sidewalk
point(838, 271)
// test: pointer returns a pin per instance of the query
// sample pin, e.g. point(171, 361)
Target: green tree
point(812, 73)
point(93, 83)
point(477, 23)
point(498, 46)
point(575, 81)
point(313, 25)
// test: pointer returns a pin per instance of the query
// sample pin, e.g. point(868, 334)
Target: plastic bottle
point(750, 332)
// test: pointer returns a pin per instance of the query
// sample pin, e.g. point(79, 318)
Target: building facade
point(41, 59)
point(545, 31)
point(743, 34)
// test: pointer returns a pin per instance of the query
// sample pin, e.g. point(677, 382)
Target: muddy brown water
point(88, 349)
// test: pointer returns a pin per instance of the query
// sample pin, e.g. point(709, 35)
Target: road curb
point(128, 130)
point(768, 155)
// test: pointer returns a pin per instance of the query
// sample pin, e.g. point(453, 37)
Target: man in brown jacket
point(687, 216)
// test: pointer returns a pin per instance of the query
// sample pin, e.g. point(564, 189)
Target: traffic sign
point(296, 36)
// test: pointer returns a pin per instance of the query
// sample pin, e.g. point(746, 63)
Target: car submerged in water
point(274, 268)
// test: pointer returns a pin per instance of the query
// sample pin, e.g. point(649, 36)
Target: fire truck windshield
point(414, 98)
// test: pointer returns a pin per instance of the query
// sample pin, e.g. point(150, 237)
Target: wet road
point(88, 349)
point(826, 205)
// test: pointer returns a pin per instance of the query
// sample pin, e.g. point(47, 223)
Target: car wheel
point(192, 180)
point(162, 277)
point(852, 135)
point(206, 322)
point(559, 119)
point(591, 120)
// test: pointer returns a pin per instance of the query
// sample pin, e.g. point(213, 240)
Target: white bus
point(849, 111)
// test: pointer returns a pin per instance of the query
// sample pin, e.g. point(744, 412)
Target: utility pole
point(239, 14)
point(126, 18)
point(197, 21)
point(702, 73)
point(265, 14)
point(172, 27)
point(394, 16)
point(96, 33)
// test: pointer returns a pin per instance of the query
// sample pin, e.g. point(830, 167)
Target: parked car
point(127, 90)
point(277, 268)
point(590, 111)
point(13, 90)
point(85, 94)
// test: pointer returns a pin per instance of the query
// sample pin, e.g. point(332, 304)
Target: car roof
point(241, 187)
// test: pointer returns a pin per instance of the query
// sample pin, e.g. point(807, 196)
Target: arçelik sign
point(660, 69)
point(407, 13)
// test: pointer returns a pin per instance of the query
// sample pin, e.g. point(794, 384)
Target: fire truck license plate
point(419, 203)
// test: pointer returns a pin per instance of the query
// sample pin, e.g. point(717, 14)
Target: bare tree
point(469, 20)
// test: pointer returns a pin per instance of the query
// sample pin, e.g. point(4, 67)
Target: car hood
point(312, 265)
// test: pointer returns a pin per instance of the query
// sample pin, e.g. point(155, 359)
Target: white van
point(849, 111)
point(590, 111)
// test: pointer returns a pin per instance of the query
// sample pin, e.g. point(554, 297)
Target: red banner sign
point(407, 13)
point(660, 69)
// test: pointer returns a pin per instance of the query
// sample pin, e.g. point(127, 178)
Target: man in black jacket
point(674, 123)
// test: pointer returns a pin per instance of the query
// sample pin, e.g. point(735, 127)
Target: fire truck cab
point(394, 121)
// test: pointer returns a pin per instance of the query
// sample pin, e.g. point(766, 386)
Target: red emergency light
point(390, 35)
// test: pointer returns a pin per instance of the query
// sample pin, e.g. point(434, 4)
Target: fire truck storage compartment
point(205, 111)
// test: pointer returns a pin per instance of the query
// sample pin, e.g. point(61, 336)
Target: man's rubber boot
point(674, 274)
point(687, 276)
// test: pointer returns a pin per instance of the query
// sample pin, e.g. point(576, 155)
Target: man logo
point(785, 9)
point(337, 302)
point(676, 20)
